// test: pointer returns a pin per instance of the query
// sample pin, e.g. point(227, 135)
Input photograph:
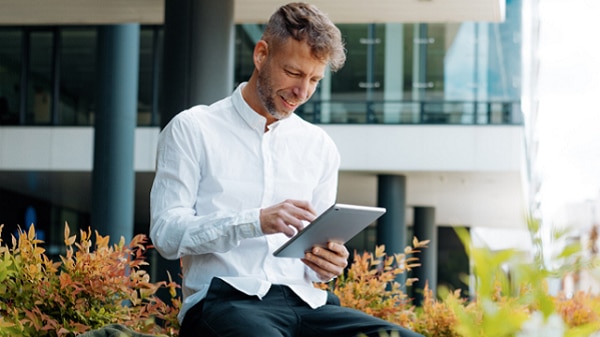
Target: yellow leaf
point(102, 241)
point(5, 324)
point(38, 251)
point(69, 240)
point(379, 251)
point(31, 234)
point(121, 242)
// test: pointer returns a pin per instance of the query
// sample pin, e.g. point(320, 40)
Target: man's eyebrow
point(293, 69)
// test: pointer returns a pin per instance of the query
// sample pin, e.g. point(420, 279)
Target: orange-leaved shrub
point(436, 318)
point(579, 309)
point(370, 284)
point(88, 288)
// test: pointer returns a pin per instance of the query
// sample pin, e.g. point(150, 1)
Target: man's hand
point(286, 217)
point(328, 262)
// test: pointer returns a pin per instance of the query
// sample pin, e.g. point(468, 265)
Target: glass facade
point(411, 73)
point(396, 73)
point(57, 66)
point(77, 74)
point(453, 73)
point(11, 63)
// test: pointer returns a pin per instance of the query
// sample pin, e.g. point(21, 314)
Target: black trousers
point(227, 312)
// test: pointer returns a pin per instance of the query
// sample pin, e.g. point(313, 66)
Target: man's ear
point(261, 52)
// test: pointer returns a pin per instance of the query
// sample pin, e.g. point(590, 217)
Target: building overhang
point(384, 11)
point(92, 12)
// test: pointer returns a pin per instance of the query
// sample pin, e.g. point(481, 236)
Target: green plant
point(511, 296)
point(86, 289)
point(510, 292)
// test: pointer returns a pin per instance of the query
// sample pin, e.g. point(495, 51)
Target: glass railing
point(360, 112)
point(412, 112)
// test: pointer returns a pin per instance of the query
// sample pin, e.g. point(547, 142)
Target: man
point(236, 179)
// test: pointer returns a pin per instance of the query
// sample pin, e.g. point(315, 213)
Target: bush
point(89, 289)
point(504, 304)
point(519, 303)
point(85, 290)
point(370, 284)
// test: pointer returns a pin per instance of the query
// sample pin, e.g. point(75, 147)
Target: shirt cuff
point(251, 219)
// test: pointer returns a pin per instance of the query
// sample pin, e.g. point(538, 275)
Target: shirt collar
point(251, 117)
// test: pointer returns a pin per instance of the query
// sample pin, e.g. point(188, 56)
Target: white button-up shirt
point(216, 168)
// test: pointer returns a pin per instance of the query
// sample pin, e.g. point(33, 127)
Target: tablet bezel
point(339, 223)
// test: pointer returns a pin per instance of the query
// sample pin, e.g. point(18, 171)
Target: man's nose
point(302, 89)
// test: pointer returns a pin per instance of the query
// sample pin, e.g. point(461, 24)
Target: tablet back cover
point(340, 223)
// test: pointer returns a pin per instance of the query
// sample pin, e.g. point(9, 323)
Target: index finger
point(310, 213)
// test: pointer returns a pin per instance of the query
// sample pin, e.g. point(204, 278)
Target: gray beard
point(263, 88)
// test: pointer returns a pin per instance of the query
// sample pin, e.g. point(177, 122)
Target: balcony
point(413, 112)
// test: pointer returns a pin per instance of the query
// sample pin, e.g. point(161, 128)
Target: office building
point(427, 111)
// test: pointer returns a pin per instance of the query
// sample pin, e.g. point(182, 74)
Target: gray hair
point(305, 22)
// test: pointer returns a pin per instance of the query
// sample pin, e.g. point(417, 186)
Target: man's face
point(288, 78)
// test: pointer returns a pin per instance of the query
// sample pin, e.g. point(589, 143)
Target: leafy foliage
point(510, 299)
point(436, 318)
point(87, 289)
point(370, 284)
point(90, 288)
point(511, 296)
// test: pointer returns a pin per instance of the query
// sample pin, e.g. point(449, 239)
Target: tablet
point(338, 223)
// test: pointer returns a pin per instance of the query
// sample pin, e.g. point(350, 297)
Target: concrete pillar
point(198, 54)
point(424, 229)
point(113, 176)
point(198, 69)
point(391, 227)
